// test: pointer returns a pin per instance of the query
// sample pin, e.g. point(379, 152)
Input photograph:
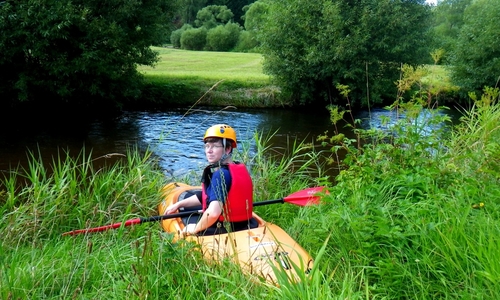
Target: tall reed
point(415, 211)
point(414, 214)
point(42, 201)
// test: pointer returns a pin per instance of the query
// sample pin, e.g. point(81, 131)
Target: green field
point(211, 78)
point(208, 65)
point(232, 78)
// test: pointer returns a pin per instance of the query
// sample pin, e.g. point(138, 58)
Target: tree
point(77, 51)
point(312, 46)
point(189, 9)
point(235, 6)
point(213, 15)
point(476, 57)
point(448, 20)
point(223, 37)
point(255, 15)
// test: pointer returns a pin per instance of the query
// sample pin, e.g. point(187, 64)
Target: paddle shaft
point(184, 214)
point(282, 200)
point(137, 221)
point(302, 198)
point(133, 222)
point(171, 216)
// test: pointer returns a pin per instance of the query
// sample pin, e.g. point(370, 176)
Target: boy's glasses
point(211, 147)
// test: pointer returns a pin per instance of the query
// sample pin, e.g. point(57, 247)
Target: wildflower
point(477, 206)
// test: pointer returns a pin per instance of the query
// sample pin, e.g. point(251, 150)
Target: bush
point(175, 36)
point(475, 59)
point(77, 53)
point(223, 37)
point(246, 42)
point(414, 211)
point(194, 39)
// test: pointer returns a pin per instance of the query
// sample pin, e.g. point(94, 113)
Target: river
point(174, 136)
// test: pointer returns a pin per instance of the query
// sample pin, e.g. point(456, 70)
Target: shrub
point(213, 15)
point(175, 36)
point(223, 37)
point(246, 42)
point(194, 39)
point(475, 59)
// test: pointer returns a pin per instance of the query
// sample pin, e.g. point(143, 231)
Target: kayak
point(262, 251)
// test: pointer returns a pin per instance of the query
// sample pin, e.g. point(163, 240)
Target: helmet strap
point(224, 156)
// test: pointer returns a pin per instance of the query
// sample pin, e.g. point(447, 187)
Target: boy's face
point(214, 151)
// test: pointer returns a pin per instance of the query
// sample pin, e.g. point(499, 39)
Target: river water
point(174, 136)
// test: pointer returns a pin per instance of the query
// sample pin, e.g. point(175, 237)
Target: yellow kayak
point(262, 251)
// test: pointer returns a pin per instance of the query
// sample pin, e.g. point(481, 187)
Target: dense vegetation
point(79, 52)
point(476, 55)
point(214, 29)
point(414, 214)
point(188, 9)
point(447, 23)
point(86, 54)
point(312, 47)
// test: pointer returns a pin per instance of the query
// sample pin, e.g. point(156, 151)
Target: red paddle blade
point(306, 197)
point(105, 227)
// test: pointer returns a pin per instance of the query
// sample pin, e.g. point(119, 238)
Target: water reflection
point(175, 137)
point(385, 120)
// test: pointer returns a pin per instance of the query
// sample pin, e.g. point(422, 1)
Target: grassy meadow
point(208, 66)
point(213, 78)
point(185, 77)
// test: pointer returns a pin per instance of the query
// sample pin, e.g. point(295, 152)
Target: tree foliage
point(255, 15)
point(312, 46)
point(235, 6)
point(213, 15)
point(78, 49)
point(246, 43)
point(215, 31)
point(223, 37)
point(448, 20)
point(476, 58)
point(194, 38)
point(189, 8)
point(175, 36)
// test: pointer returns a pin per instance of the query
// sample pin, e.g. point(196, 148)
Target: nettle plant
point(410, 135)
point(387, 177)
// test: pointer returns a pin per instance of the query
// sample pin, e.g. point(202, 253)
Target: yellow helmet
point(222, 131)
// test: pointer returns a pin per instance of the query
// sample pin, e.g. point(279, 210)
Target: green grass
point(209, 66)
point(210, 78)
point(232, 78)
point(411, 216)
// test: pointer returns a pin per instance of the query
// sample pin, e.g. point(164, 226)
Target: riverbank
point(208, 78)
point(411, 216)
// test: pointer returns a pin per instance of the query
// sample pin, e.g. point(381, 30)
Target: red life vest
point(239, 202)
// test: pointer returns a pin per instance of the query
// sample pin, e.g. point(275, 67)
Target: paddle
point(302, 198)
